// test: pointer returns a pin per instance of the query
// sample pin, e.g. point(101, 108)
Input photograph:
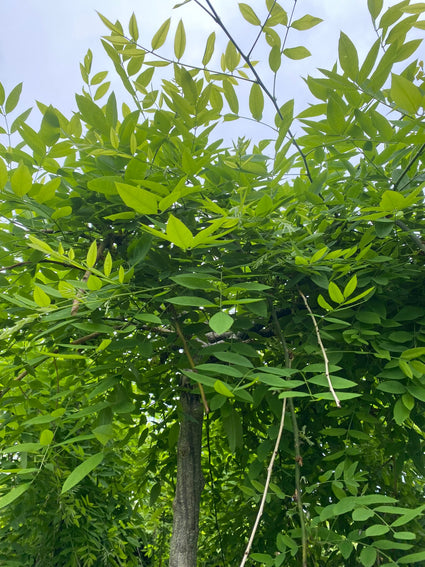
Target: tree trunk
point(184, 541)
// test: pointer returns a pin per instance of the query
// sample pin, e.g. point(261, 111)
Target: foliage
point(138, 252)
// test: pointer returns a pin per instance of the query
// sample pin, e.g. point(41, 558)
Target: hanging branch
point(322, 348)
point(266, 486)
point(296, 433)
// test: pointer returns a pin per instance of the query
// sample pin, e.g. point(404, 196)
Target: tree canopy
point(238, 329)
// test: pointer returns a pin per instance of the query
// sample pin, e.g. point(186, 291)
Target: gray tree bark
point(184, 540)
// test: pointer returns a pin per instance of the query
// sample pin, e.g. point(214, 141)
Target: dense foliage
point(141, 257)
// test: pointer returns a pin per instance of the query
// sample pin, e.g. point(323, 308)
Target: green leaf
point(231, 97)
point(335, 293)
point(368, 556)
point(249, 15)
point(375, 7)
point(233, 358)
point(92, 254)
point(256, 101)
point(193, 281)
point(13, 494)
point(180, 40)
point(296, 53)
point(140, 200)
point(82, 471)
point(401, 413)
point(209, 49)
point(233, 428)
point(13, 98)
point(40, 297)
point(348, 58)
point(2, 95)
point(220, 322)
point(306, 22)
point(50, 127)
point(362, 514)
point(178, 233)
point(412, 558)
point(377, 530)
point(405, 94)
point(231, 56)
point(21, 180)
point(92, 115)
point(161, 35)
point(191, 301)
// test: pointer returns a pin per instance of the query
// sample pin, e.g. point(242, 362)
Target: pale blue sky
point(43, 41)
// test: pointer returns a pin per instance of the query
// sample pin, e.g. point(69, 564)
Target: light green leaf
point(13, 98)
point(193, 281)
point(140, 200)
point(323, 303)
point(335, 293)
point(350, 287)
point(82, 471)
point(256, 101)
point(249, 15)
point(40, 297)
point(377, 530)
point(401, 413)
point(46, 437)
point(220, 322)
point(223, 389)
point(411, 353)
point(375, 7)
point(180, 40)
point(178, 233)
point(13, 494)
point(348, 58)
point(132, 27)
point(362, 514)
point(405, 94)
point(92, 254)
point(296, 53)
point(231, 56)
point(107, 264)
point(306, 22)
point(209, 49)
point(94, 283)
point(21, 180)
point(4, 176)
point(161, 35)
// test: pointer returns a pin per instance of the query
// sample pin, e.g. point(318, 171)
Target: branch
point(408, 166)
point(192, 365)
point(266, 486)
point(322, 348)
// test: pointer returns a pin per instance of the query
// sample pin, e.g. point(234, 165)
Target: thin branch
point(411, 233)
point(192, 365)
point(266, 486)
point(408, 166)
point(322, 348)
point(259, 81)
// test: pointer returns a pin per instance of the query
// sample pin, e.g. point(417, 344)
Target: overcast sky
point(43, 41)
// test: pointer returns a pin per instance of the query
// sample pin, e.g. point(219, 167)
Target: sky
point(43, 41)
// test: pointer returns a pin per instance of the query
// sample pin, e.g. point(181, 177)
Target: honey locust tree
point(214, 354)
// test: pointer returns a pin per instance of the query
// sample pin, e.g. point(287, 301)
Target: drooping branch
point(266, 486)
point(322, 348)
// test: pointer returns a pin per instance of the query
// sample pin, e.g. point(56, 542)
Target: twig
point(214, 15)
point(322, 348)
point(192, 365)
point(408, 166)
point(412, 235)
point(266, 486)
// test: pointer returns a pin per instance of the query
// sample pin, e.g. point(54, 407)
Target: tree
point(213, 334)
